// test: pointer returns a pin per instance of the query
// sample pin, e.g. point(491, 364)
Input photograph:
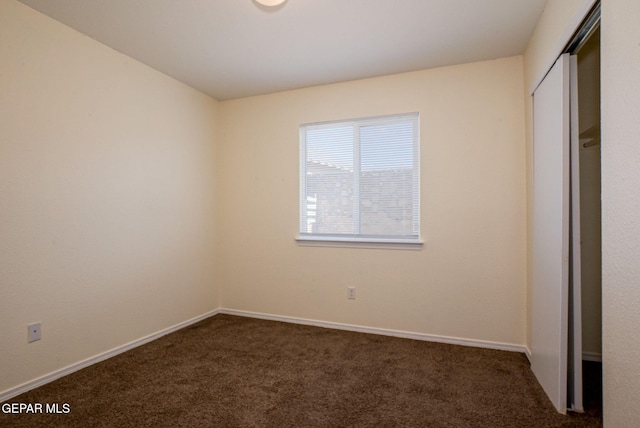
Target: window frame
point(357, 240)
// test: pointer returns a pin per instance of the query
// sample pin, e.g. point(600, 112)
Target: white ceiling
point(235, 48)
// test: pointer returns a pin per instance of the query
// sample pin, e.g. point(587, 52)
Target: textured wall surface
point(106, 197)
point(621, 211)
point(469, 279)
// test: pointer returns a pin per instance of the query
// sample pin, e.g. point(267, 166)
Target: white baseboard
point(381, 331)
point(50, 377)
point(527, 352)
point(586, 356)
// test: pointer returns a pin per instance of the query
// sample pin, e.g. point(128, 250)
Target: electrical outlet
point(351, 293)
point(35, 332)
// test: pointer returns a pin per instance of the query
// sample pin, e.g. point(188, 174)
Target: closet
point(566, 260)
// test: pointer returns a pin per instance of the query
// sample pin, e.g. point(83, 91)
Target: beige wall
point(559, 21)
point(106, 197)
point(467, 282)
point(621, 211)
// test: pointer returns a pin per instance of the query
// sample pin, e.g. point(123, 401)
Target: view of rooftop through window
point(360, 178)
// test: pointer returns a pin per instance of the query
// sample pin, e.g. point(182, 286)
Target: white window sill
point(388, 244)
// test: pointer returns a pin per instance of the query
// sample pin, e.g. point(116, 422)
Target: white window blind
point(359, 180)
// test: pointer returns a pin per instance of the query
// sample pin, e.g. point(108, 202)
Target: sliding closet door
point(550, 270)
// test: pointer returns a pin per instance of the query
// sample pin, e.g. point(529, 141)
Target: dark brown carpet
point(231, 371)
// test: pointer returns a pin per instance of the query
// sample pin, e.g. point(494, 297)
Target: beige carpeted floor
point(231, 371)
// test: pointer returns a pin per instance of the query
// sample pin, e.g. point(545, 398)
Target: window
point(359, 180)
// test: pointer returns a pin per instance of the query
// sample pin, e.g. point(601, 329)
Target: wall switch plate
point(35, 332)
point(351, 293)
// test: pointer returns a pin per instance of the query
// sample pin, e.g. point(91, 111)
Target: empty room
point(319, 213)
